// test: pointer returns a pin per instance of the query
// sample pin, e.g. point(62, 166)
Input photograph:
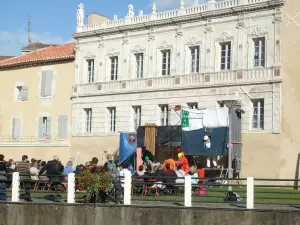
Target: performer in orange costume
point(183, 162)
point(169, 161)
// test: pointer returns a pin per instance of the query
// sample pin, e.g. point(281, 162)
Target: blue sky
point(53, 21)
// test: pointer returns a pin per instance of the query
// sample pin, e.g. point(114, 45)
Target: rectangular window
point(164, 115)
point(225, 56)
point(21, 93)
point(114, 68)
point(44, 130)
point(139, 65)
point(195, 59)
point(16, 128)
point(46, 83)
point(90, 70)
point(166, 62)
point(62, 127)
point(88, 120)
point(193, 105)
point(259, 52)
point(258, 114)
point(137, 116)
point(112, 119)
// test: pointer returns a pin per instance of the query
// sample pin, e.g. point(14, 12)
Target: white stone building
point(131, 71)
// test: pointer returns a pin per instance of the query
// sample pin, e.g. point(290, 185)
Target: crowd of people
point(169, 172)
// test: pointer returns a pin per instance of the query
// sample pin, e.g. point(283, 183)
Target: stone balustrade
point(220, 5)
point(226, 78)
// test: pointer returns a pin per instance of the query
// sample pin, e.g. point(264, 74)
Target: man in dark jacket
point(54, 172)
point(24, 169)
point(3, 178)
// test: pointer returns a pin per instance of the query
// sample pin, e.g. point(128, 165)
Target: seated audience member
point(168, 180)
point(140, 171)
point(159, 173)
point(201, 173)
point(194, 175)
point(68, 169)
point(34, 171)
point(180, 174)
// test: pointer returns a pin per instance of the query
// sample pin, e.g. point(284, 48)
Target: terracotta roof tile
point(48, 54)
point(38, 45)
point(5, 57)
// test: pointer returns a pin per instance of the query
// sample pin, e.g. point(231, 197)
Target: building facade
point(132, 71)
point(35, 110)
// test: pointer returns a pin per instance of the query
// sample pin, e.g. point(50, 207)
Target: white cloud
point(173, 4)
point(12, 42)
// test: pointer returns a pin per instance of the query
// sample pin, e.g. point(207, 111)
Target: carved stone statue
point(130, 11)
point(80, 14)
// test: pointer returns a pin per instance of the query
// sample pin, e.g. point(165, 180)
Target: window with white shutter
point(258, 114)
point(44, 128)
point(166, 62)
point(16, 128)
point(164, 115)
point(112, 119)
point(195, 59)
point(88, 120)
point(90, 70)
point(21, 93)
point(139, 65)
point(259, 52)
point(114, 68)
point(193, 105)
point(46, 83)
point(226, 56)
point(137, 116)
point(62, 127)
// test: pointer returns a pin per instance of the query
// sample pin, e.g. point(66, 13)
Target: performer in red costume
point(183, 162)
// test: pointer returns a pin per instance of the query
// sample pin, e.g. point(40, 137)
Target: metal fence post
point(187, 191)
point(71, 188)
point(15, 187)
point(127, 188)
point(250, 192)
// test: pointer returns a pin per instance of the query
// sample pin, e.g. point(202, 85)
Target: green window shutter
point(24, 93)
point(48, 127)
point(48, 85)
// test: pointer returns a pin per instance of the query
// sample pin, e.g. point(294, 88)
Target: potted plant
point(94, 184)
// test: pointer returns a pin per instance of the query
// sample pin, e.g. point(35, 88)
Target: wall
point(90, 147)
point(35, 214)
point(275, 155)
point(29, 111)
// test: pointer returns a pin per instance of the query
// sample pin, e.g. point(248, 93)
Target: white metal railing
point(127, 184)
point(180, 81)
point(32, 140)
point(170, 14)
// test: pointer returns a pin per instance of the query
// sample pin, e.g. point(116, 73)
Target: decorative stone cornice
point(224, 37)
point(165, 45)
point(138, 48)
point(277, 19)
point(258, 31)
point(194, 40)
point(90, 55)
point(240, 25)
point(208, 29)
point(113, 52)
point(100, 29)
